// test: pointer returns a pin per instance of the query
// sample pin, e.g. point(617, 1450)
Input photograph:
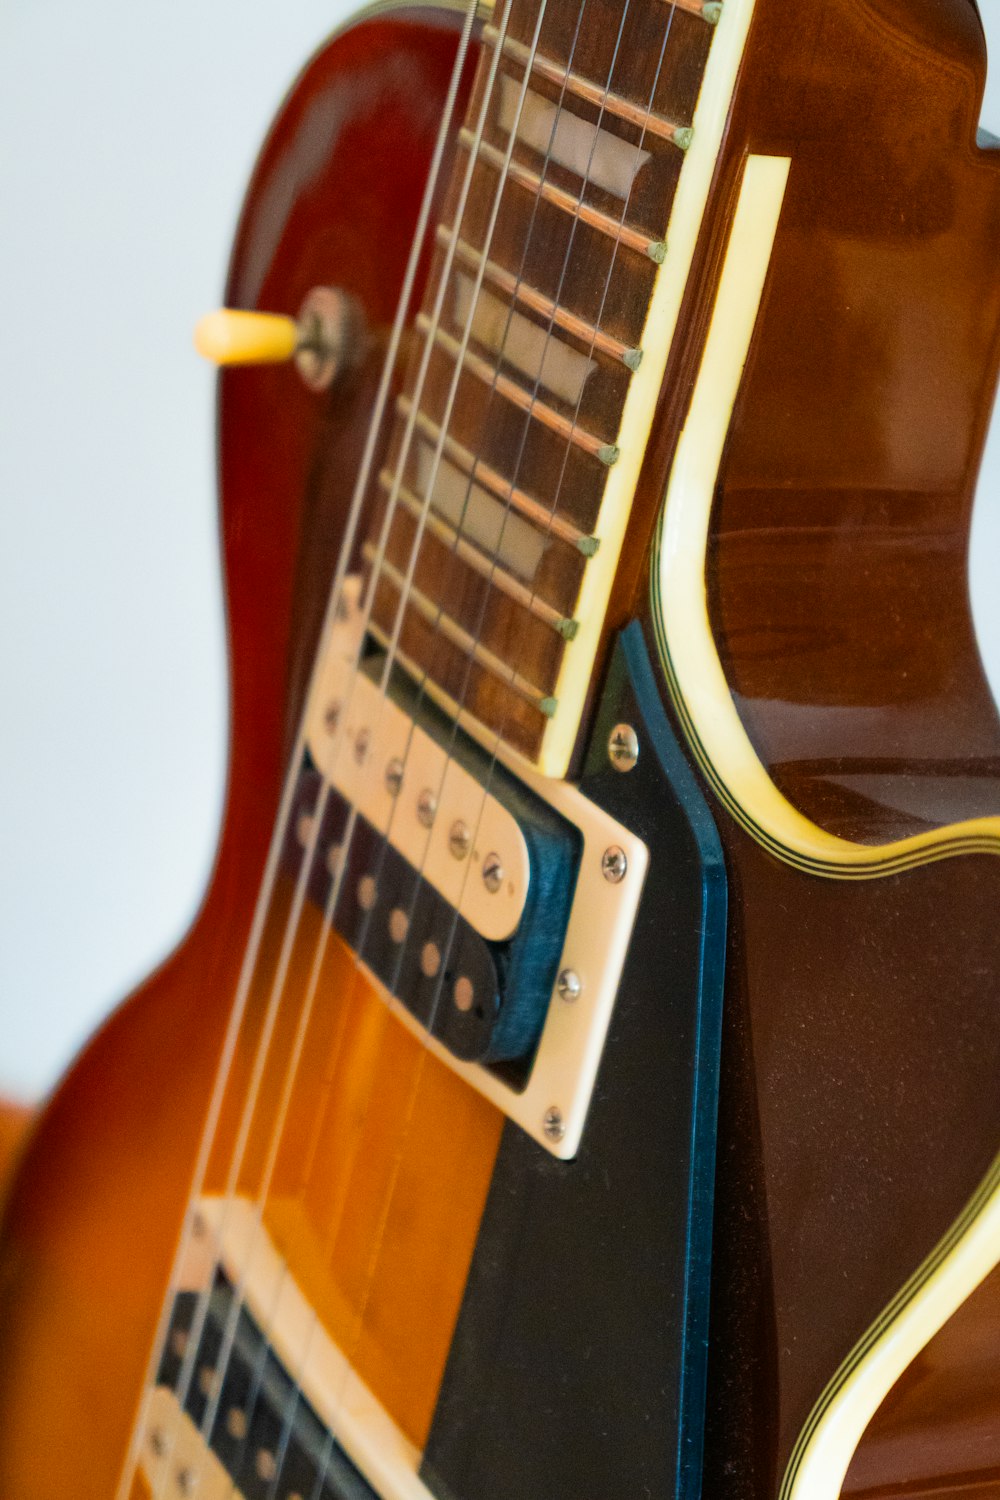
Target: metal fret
point(574, 83)
point(605, 453)
point(481, 562)
point(435, 615)
point(562, 153)
point(548, 521)
point(524, 177)
point(505, 281)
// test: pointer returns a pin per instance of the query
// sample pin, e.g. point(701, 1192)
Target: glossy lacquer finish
point(859, 1107)
point(938, 1428)
point(858, 433)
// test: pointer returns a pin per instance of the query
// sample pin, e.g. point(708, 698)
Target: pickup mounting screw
point(394, 776)
point(568, 985)
point(459, 839)
point(426, 807)
point(492, 873)
point(553, 1124)
point(623, 747)
point(614, 864)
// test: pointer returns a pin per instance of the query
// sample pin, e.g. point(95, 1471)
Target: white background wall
point(127, 132)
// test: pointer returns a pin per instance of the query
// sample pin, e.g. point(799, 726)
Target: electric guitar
point(581, 1081)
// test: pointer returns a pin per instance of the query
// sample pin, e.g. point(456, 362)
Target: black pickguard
point(577, 1370)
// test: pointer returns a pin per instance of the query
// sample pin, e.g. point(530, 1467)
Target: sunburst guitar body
point(581, 1081)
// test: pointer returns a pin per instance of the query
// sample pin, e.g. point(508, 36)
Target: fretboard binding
point(547, 521)
point(505, 281)
point(457, 636)
point(479, 561)
point(574, 83)
point(656, 250)
point(481, 369)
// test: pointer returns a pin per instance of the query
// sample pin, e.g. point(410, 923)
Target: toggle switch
point(228, 337)
point(327, 337)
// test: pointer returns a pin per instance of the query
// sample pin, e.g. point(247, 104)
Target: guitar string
point(269, 874)
point(360, 944)
point(605, 288)
point(594, 337)
point(588, 174)
point(304, 1017)
point(263, 1049)
point(302, 1026)
point(359, 1320)
point(246, 1122)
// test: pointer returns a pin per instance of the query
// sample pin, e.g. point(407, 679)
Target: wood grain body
point(859, 1105)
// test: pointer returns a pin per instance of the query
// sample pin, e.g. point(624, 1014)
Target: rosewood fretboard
point(538, 387)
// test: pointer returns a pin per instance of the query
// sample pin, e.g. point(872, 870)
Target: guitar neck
point(501, 507)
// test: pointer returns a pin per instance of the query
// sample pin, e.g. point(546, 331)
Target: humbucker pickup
point(417, 790)
point(481, 900)
point(483, 998)
point(251, 1392)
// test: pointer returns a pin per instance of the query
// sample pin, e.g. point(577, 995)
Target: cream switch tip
point(228, 337)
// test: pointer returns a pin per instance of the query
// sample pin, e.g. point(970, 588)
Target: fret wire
point(459, 712)
point(605, 453)
point(505, 387)
point(621, 239)
point(476, 468)
point(456, 634)
point(429, 345)
point(592, 93)
point(483, 563)
point(524, 177)
point(505, 281)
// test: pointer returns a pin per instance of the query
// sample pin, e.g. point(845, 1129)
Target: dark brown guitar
point(581, 1082)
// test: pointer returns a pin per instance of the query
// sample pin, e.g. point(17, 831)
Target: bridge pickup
point(253, 1400)
point(265, 1431)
